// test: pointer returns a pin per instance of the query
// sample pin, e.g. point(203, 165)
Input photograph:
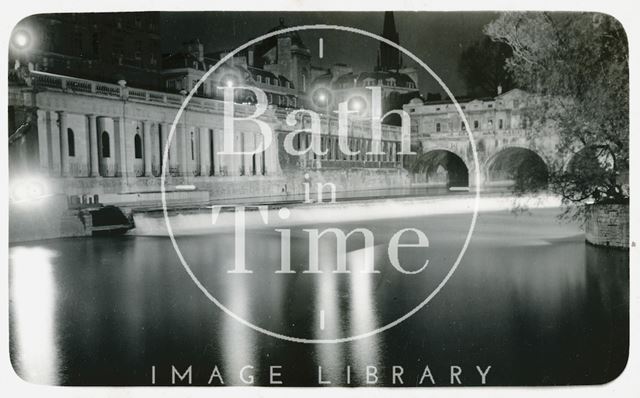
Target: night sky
point(435, 37)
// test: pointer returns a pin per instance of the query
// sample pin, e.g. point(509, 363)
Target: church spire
point(389, 56)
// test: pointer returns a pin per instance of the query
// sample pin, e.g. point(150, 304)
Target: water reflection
point(102, 311)
point(329, 317)
point(363, 313)
point(33, 312)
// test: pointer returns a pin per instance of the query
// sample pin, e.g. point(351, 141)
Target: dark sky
point(435, 37)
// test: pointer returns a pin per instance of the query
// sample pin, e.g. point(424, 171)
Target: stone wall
point(45, 218)
point(608, 225)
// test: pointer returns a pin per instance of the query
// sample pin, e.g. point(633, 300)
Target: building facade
point(101, 138)
point(95, 46)
point(506, 140)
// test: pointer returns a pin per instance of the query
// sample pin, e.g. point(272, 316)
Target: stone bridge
point(449, 159)
point(505, 142)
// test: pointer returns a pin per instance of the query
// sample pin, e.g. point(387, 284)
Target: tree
point(577, 65)
point(482, 66)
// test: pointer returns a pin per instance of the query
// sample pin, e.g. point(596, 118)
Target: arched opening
point(106, 145)
point(521, 167)
point(71, 143)
point(137, 146)
point(442, 168)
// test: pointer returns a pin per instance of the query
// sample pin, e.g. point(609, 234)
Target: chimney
point(499, 89)
point(200, 51)
point(250, 57)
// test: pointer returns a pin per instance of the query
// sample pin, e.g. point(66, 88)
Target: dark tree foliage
point(482, 66)
point(577, 66)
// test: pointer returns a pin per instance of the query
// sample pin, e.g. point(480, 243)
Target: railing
point(49, 81)
point(477, 133)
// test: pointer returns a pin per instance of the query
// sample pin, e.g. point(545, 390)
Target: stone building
point(108, 139)
point(502, 131)
point(95, 45)
point(182, 70)
point(339, 83)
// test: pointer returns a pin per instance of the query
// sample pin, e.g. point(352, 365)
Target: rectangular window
point(500, 124)
point(437, 127)
point(476, 124)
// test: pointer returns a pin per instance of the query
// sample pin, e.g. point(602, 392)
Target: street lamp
point(20, 44)
point(21, 39)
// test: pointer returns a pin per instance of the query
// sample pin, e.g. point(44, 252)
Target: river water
point(529, 299)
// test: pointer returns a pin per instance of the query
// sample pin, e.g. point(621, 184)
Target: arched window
point(71, 143)
point(193, 154)
point(137, 146)
point(106, 145)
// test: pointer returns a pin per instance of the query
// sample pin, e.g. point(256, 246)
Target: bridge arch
point(442, 167)
point(516, 165)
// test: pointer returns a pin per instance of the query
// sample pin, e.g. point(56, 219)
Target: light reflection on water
point(33, 300)
point(530, 299)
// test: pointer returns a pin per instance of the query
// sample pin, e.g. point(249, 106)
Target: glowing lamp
point(28, 190)
point(21, 39)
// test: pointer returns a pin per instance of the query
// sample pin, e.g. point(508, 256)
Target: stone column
point(164, 136)
point(182, 139)
point(259, 155)
point(174, 163)
point(205, 161)
point(55, 143)
point(94, 165)
point(43, 141)
point(271, 162)
point(64, 143)
point(247, 160)
point(120, 149)
point(146, 126)
point(235, 160)
point(217, 147)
